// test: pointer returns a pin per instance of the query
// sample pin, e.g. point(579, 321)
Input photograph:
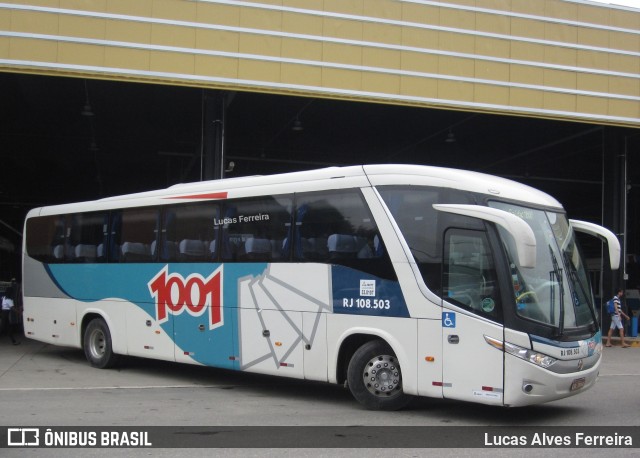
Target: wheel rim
point(97, 344)
point(382, 377)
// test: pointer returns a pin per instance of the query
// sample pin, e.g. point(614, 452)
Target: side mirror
point(603, 233)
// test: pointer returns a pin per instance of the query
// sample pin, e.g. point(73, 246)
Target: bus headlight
point(539, 359)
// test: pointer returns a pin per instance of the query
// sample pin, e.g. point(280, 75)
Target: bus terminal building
point(107, 97)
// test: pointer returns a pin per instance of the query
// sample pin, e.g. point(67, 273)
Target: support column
point(213, 119)
point(614, 202)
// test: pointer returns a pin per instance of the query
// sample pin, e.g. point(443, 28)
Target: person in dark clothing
point(7, 309)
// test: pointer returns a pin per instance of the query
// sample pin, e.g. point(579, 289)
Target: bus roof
point(465, 180)
point(326, 178)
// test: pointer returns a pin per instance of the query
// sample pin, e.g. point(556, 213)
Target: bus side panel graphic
point(195, 305)
point(280, 314)
point(214, 313)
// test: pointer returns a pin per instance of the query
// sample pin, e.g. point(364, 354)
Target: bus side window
point(87, 236)
point(45, 238)
point(188, 233)
point(137, 231)
point(337, 227)
point(255, 229)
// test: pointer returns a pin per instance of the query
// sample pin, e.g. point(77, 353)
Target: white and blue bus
point(396, 280)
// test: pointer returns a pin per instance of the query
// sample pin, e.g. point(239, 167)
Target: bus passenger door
point(472, 369)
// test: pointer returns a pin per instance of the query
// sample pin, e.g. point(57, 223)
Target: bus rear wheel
point(97, 345)
point(375, 379)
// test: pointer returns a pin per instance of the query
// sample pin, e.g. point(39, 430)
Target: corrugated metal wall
point(565, 59)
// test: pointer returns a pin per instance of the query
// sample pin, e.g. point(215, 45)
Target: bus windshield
point(556, 291)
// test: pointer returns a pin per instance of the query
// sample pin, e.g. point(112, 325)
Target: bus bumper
point(526, 383)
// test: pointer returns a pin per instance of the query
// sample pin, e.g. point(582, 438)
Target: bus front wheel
point(375, 379)
point(97, 345)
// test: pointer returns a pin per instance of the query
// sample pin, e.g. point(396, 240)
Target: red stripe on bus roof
point(212, 195)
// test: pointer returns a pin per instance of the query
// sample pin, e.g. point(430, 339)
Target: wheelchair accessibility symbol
point(448, 320)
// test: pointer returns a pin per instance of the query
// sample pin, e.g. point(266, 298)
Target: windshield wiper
point(557, 273)
point(575, 280)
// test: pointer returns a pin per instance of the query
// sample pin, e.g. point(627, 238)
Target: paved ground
point(43, 385)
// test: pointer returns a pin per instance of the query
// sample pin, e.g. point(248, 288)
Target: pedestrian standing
point(7, 309)
point(616, 319)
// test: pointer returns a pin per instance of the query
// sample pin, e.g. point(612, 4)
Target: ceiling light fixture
point(297, 125)
point(86, 111)
point(451, 138)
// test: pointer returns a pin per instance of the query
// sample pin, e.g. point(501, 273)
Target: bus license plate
point(577, 384)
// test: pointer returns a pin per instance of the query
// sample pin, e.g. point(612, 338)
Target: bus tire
point(97, 345)
point(375, 379)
